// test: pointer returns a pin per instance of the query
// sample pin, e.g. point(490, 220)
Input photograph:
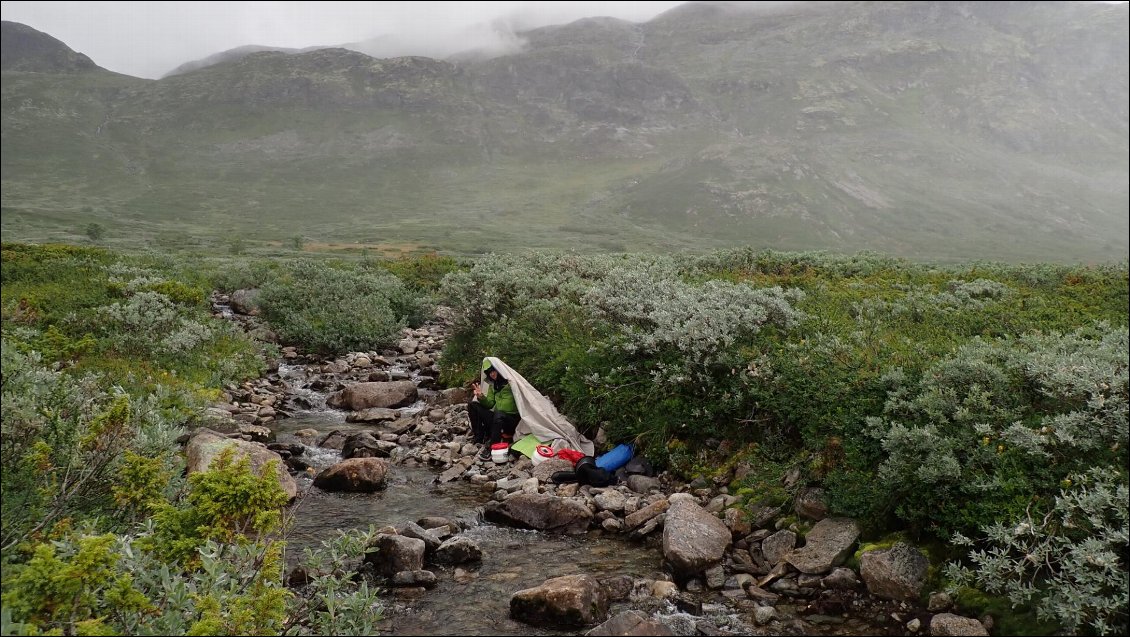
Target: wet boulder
point(366, 445)
point(355, 474)
point(411, 579)
point(395, 553)
point(693, 539)
point(571, 600)
point(541, 512)
point(362, 396)
point(431, 542)
point(826, 546)
point(458, 550)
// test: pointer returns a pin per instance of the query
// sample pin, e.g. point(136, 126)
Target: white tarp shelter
point(539, 416)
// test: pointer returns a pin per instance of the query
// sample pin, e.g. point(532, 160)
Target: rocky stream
point(467, 547)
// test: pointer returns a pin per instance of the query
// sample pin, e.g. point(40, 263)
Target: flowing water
point(513, 559)
point(477, 602)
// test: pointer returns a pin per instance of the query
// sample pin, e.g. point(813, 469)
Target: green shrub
point(227, 579)
point(421, 273)
point(335, 310)
point(997, 424)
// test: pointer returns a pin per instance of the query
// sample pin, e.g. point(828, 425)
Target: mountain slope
point(943, 130)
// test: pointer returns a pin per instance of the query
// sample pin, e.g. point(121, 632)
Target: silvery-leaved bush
point(1070, 560)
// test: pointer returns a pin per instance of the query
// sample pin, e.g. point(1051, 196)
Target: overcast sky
point(149, 39)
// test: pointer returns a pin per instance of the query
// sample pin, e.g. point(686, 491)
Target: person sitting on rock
point(494, 413)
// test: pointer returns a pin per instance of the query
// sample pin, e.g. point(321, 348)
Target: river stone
point(399, 426)
point(541, 512)
point(950, 624)
point(826, 546)
point(395, 553)
point(571, 600)
point(777, 546)
point(435, 521)
point(408, 346)
point(638, 518)
point(841, 578)
point(360, 445)
point(361, 396)
point(630, 622)
point(355, 474)
point(205, 445)
point(458, 550)
point(411, 529)
point(610, 500)
point(715, 577)
point(693, 540)
point(426, 579)
point(764, 614)
point(376, 414)
point(641, 483)
point(896, 573)
point(338, 366)
point(619, 587)
point(334, 440)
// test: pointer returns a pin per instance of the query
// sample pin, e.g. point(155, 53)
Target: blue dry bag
point(616, 458)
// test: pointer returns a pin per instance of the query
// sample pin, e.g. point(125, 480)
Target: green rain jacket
point(502, 400)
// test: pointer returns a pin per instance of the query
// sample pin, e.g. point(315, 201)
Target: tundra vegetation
point(980, 407)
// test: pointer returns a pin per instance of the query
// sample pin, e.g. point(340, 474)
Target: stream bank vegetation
point(980, 407)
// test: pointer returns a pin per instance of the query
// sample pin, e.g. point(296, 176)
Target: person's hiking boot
point(484, 453)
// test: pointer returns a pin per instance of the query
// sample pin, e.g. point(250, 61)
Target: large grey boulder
point(947, 624)
point(205, 445)
point(571, 600)
point(395, 553)
point(541, 512)
point(630, 622)
point(693, 539)
point(361, 396)
point(245, 302)
point(826, 546)
point(896, 573)
point(355, 474)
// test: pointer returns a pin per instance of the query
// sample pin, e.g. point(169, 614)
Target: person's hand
point(475, 388)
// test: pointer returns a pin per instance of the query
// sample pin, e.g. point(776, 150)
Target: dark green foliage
point(421, 273)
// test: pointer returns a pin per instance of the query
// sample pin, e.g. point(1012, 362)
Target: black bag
point(585, 472)
point(590, 474)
